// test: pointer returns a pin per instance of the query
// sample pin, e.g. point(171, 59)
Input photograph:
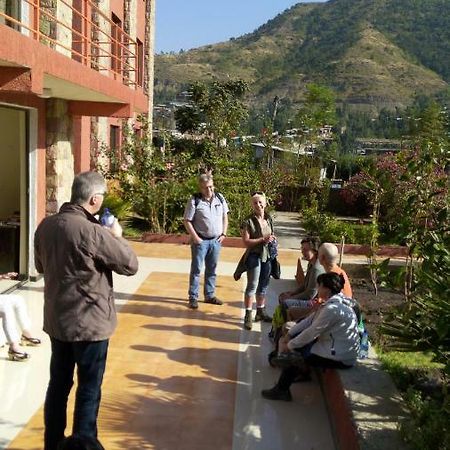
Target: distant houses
point(372, 146)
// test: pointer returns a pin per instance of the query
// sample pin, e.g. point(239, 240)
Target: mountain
point(374, 53)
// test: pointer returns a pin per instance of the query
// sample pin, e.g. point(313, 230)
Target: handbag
point(275, 270)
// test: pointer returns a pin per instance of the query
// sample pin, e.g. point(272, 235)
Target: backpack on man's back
point(198, 196)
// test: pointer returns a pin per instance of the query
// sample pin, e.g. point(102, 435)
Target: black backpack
point(198, 196)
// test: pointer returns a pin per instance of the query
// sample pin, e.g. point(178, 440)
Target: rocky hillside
point(374, 53)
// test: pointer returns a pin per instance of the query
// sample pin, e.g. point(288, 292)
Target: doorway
point(14, 193)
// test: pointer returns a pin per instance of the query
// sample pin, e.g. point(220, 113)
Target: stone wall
point(64, 29)
point(59, 156)
point(130, 27)
point(101, 35)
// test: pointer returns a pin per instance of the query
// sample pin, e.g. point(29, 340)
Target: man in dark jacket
point(77, 256)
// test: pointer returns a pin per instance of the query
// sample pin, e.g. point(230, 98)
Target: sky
point(186, 24)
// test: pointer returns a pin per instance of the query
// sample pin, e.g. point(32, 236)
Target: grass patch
point(425, 392)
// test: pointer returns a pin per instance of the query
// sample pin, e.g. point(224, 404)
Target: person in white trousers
point(13, 309)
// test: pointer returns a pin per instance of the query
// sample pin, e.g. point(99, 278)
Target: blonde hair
point(257, 194)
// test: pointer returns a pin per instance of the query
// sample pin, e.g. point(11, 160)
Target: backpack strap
point(220, 197)
point(270, 221)
point(198, 196)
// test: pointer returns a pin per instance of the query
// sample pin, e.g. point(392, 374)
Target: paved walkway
point(176, 378)
point(288, 229)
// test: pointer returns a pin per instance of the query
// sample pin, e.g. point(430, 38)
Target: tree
point(317, 111)
point(216, 110)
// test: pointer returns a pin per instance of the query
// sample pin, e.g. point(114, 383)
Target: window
point(116, 44)
point(140, 63)
point(114, 145)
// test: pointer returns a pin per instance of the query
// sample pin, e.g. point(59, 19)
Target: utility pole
point(270, 159)
point(150, 9)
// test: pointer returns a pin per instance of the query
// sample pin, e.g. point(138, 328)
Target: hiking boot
point(248, 320)
point(213, 301)
point(261, 315)
point(277, 394)
point(193, 304)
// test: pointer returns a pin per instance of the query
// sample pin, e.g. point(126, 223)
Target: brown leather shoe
point(193, 304)
point(213, 301)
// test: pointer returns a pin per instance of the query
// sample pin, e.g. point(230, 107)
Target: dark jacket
point(77, 257)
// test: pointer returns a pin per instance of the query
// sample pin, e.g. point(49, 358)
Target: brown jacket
point(77, 257)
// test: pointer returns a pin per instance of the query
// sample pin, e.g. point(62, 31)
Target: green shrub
point(118, 206)
point(427, 426)
point(362, 234)
point(330, 229)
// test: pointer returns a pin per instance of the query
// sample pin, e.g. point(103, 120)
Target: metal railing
point(79, 30)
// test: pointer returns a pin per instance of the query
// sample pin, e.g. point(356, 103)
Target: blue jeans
point(207, 253)
point(259, 276)
point(90, 358)
point(297, 303)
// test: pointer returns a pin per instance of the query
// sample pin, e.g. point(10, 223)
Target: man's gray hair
point(85, 185)
point(204, 178)
point(330, 252)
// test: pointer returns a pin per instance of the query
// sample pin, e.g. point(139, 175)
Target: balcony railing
point(79, 30)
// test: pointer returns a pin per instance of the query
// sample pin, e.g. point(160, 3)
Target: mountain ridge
point(367, 50)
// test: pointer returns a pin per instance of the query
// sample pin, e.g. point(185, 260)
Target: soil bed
point(375, 307)
point(428, 380)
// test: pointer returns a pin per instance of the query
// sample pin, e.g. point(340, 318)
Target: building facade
point(70, 72)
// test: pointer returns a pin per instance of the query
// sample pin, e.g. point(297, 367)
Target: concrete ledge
point(349, 249)
point(364, 405)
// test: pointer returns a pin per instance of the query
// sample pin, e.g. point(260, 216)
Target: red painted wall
point(81, 143)
point(117, 8)
point(141, 20)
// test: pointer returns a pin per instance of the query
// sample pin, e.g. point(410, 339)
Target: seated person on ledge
point(12, 308)
point(307, 290)
point(328, 339)
point(328, 256)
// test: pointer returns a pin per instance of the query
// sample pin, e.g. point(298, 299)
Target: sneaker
point(248, 320)
point(193, 304)
point(277, 394)
point(213, 301)
point(261, 315)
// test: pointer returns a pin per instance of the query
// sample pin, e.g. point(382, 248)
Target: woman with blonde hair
point(257, 235)
point(13, 311)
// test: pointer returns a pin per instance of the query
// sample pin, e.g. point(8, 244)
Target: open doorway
point(13, 191)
